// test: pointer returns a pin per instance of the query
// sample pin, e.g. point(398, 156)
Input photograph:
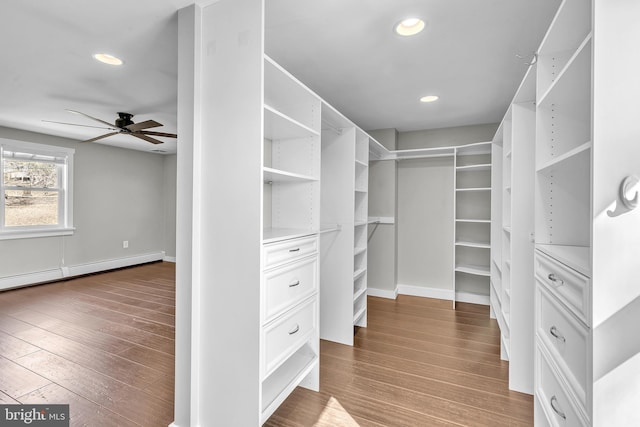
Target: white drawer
point(282, 252)
point(289, 284)
point(566, 339)
point(287, 334)
point(556, 403)
point(568, 285)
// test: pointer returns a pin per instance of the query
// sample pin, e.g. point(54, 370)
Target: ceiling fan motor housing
point(124, 120)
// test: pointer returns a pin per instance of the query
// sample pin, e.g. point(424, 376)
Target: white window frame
point(65, 190)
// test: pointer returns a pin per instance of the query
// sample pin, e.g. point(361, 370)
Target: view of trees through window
point(30, 193)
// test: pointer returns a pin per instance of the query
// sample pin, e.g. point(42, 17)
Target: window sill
point(30, 234)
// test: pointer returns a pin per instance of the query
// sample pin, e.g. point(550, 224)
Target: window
point(36, 190)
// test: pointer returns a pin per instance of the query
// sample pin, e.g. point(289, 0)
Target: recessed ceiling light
point(107, 59)
point(409, 26)
point(429, 98)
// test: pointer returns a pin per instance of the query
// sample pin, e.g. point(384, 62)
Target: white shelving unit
point(290, 348)
point(267, 125)
point(512, 234)
point(563, 218)
point(576, 109)
point(344, 201)
point(472, 209)
point(361, 214)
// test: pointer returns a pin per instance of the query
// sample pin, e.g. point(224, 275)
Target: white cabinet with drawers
point(587, 236)
point(577, 106)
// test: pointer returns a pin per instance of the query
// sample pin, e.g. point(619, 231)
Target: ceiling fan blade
point(92, 118)
point(84, 126)
point(150, 132)
point(146, 138)
point(143, 125)
point(101, 136)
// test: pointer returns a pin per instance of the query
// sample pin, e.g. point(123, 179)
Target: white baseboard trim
point(426, 292)
point(472, 298)
point(19, 280)
point(383, 293)
point(169, 259)
point(439, 293)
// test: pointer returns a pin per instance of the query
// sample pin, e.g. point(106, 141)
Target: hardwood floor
point(104, 344)
point(418, 363)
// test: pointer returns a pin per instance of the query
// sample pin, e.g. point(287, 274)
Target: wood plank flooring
point(104, 344)
point(418, 363)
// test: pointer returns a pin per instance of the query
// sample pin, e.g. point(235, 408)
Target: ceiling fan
point(123, 125)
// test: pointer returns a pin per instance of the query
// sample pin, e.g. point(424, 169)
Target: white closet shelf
point(381, 220)
point(479, 167)
point(564, 159)
point(507, 229)
point(504, 341)
point(359, 314)
point(496, 291)
point(360, 190)
point(474, 189)
point(359, 293)
point(360, 223)
point(283, 380)
point(474, 149)
point(276, 175)
point(358, 273)
point(278, 125)
point(497, 266)
point(469, 244)
point(576, 73)
point(478, 270)
point(419, 153)
point(329, 228)
point(571, 24)
point(361, 164)
point(471, 220)
point(575, 257)
point(270, 235)
point(358, 251)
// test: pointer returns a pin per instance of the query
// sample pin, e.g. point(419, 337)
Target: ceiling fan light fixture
point(409, 27)
point(429, 98)
point(105, 58)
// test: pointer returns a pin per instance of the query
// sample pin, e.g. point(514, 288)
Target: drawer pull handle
point(554, 279)
point(294, 284)
point(554, 401)
point(554, 331)
point(296, 329)
point(294, 250)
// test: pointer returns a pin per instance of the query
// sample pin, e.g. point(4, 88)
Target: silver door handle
point(296, 329)
point(554, 401)
point(294, 284)
point(554, 331)
point(555, 279)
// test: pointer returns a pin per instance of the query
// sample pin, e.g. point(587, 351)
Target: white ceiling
point(344, 50)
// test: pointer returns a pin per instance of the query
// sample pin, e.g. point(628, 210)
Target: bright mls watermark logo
point(34, 415)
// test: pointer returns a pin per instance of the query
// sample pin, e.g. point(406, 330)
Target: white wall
point(425, 223)
point(381, 253)
point(425, 206)
point(446, 137)
point(169, 191)
point(119, 195)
